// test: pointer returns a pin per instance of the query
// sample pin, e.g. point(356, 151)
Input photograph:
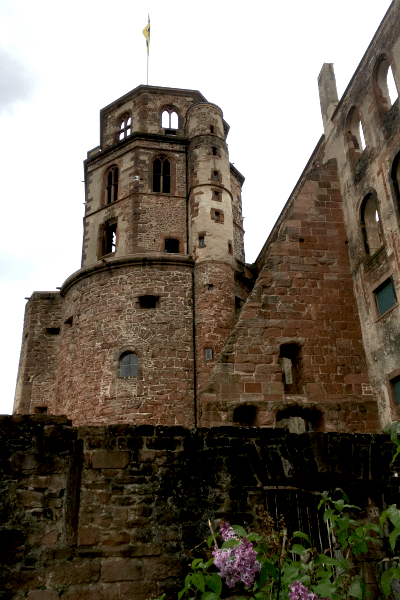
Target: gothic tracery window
point(161, 175)
point(112, 185)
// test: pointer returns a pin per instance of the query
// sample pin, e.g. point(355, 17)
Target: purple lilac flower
point(226, 531)
point(237, 563)
point(298, 591)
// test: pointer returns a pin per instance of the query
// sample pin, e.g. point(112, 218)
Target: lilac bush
point(298, 591)
point(237, 563)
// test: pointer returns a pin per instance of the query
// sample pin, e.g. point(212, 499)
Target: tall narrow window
point(128, 365)
point(370, 225)
point(386, 88)
point(109, 240)
point(125, 126)
point(291, 361)
point(161, 175)
point(112, 185)
point(355, 141)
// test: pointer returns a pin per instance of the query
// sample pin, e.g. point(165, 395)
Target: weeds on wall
point(268, 566)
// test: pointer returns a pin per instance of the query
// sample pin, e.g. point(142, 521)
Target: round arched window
point(128, 365)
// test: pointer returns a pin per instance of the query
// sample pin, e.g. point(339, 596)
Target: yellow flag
point(146, 33)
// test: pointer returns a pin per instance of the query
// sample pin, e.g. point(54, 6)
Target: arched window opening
point(125, 126)
point(128, 365)
point(395, 176)
point(355, 139)
point(291, 361)
point(298, 419)
point(170, 121)
point(112, 185)
point(245, 416)
point(161, 175)
point(371, 225)
point(387, 89)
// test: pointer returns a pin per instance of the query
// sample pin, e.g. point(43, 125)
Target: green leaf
point(322, 559)
point(339, 504)
point(360, 548)
point(259, 595)
point(229, 543)
point(372, 527)
point(254, 537)
point(210, 541)
point(394, 515)
point(214, 582)
point(239, 530)
point(324, 589)
point(268, 569)
point(297, 549)
point(386, 580)
point(328, 514)
point(300, 534)
point(198, 581)
point(290, 572)
point(355, 589)
point(196, 562)
point(393, 535)
point(188, 580)
point(210, 596)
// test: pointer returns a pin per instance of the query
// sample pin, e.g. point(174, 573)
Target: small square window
point(208, 353)
point(41, 410)
point(216, 196)
point(215, 175)
point(148, 301)
point(214, 151)
point(171, 246)
point(385, 296)
point(211, 128)
point(216, 216)
point(202, 242)
point(396, 389)
point(210, 287)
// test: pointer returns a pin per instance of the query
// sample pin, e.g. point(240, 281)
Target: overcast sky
point(60, 63)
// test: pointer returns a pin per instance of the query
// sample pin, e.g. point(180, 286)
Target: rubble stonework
point(117, 511)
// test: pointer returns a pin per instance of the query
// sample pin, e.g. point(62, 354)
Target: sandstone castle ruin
point(137, 376)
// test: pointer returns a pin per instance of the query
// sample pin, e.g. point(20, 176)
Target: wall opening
point(298, 419)
point(148, 301)
point(291, 361)
point(371, 225)
point(245, 416)
point(171, 246)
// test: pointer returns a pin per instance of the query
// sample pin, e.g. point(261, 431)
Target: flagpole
point(147, 69)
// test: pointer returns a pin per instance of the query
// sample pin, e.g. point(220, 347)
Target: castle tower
point(162, 250)
point(211, 236)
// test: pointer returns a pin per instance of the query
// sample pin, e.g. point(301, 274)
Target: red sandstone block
point(252, 388)
point(110, 460)
point(43, 595)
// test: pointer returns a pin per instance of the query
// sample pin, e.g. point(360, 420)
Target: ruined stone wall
point(105, 513)
point(238, 231)
point(39, 352)
point(303, 297)
point(370, 171)
point(102, 318)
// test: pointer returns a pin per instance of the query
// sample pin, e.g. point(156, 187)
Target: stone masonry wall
point(102, 318)
point(39, 352)
point(304, 296)
point(112, 513)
